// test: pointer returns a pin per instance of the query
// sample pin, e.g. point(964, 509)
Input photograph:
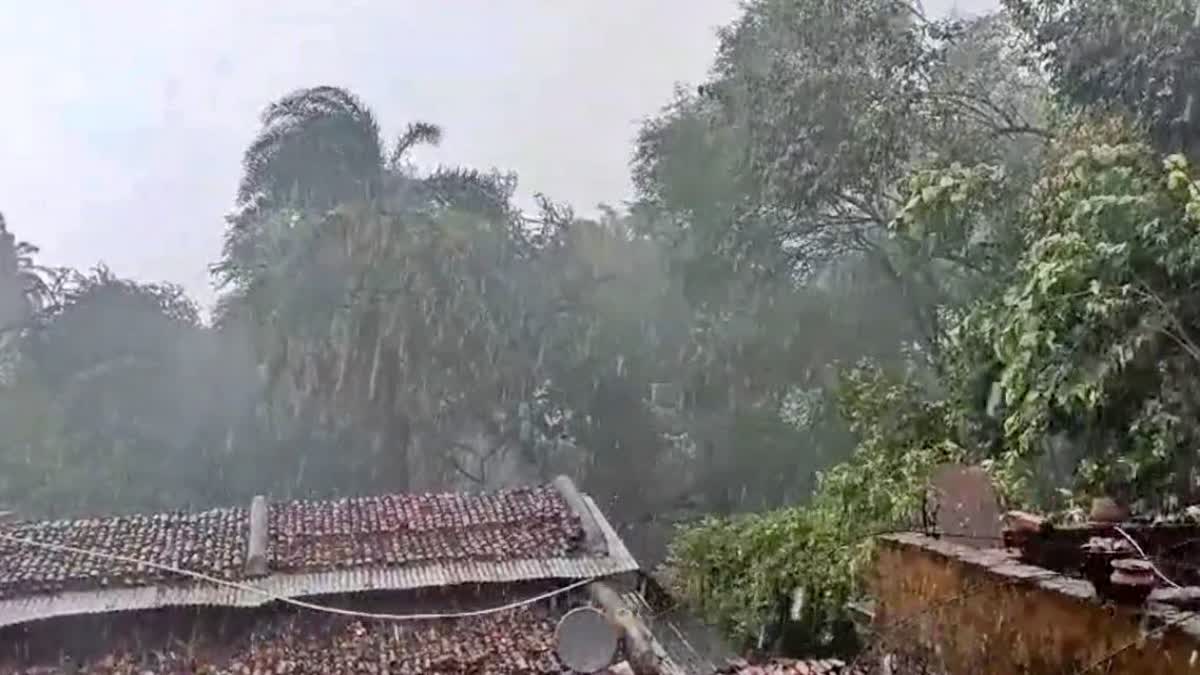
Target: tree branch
point(480, 480)
point(1022, 130)
point(1180, 334)
point(988, 111)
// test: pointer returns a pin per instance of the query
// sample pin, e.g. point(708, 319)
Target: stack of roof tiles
point(211, 542)
point(303, 536)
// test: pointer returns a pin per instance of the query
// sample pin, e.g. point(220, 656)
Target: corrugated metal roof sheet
point(352, 580)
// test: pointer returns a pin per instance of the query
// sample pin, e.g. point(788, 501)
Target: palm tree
point(317, 147)
point(321, 147)
point(376, 293)
point(25, 286)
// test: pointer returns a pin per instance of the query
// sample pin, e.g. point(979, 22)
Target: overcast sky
point(123, 123)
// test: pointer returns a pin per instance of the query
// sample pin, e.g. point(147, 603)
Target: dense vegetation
point(972, 240)
point(1052, 273)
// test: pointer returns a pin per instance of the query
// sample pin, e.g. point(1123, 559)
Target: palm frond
point(416, 133)
point(315, 144)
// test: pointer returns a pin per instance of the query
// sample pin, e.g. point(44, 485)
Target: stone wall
point(980, 612)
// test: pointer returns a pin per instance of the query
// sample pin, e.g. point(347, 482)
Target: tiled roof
point(792, 667)
point(519, 641)
point(403, 529)
point(211, 542)
point(394, 531)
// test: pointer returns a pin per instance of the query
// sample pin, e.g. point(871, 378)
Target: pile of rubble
point(212, 542)
point(403, 529)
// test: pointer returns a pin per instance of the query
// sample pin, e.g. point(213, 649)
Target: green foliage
point(382, 321)
point(943, 203)
point(739, 570)
point(922, 199)
point(25, 286)
point(317, 146)
point(112, 392)
point(1132, 57)
point(1073, 368)
point(786, 162)
point(1093, 337)
point(431, 301)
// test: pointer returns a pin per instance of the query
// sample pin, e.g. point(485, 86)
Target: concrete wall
point(979, 612)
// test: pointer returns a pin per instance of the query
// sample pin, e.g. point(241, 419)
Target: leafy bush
point(740, 571)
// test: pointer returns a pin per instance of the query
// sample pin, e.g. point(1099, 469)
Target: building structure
point(402, 583)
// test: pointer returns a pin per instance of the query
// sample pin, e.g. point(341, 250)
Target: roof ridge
point(14, 521)
point(62, 521)
point(391, 531)
point(525, 559)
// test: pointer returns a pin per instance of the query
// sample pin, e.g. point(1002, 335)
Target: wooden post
point(638, 641)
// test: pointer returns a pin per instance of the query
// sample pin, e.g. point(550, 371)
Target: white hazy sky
point(123, 123)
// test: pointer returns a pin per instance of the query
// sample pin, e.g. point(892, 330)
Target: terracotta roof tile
point(519, 641)
point(403, 529)
point(791, 667)
point(211, 542)
point(303, 536)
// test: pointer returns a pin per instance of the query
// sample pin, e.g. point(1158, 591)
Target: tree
point(1046, 276)
point(775, 190)
point(1123, 56)
point(1073, 373)
point(382, 300)
point(803, 150)
point(25, 286)
point(317, 147)
point(114, 401)
point(1093, 340)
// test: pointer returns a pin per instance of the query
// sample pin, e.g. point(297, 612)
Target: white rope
point(63, 548)
point(1145, 557)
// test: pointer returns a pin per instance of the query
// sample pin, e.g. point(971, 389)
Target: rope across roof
point(387, 542)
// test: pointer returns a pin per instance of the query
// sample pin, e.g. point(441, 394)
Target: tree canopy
point(869, 242)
